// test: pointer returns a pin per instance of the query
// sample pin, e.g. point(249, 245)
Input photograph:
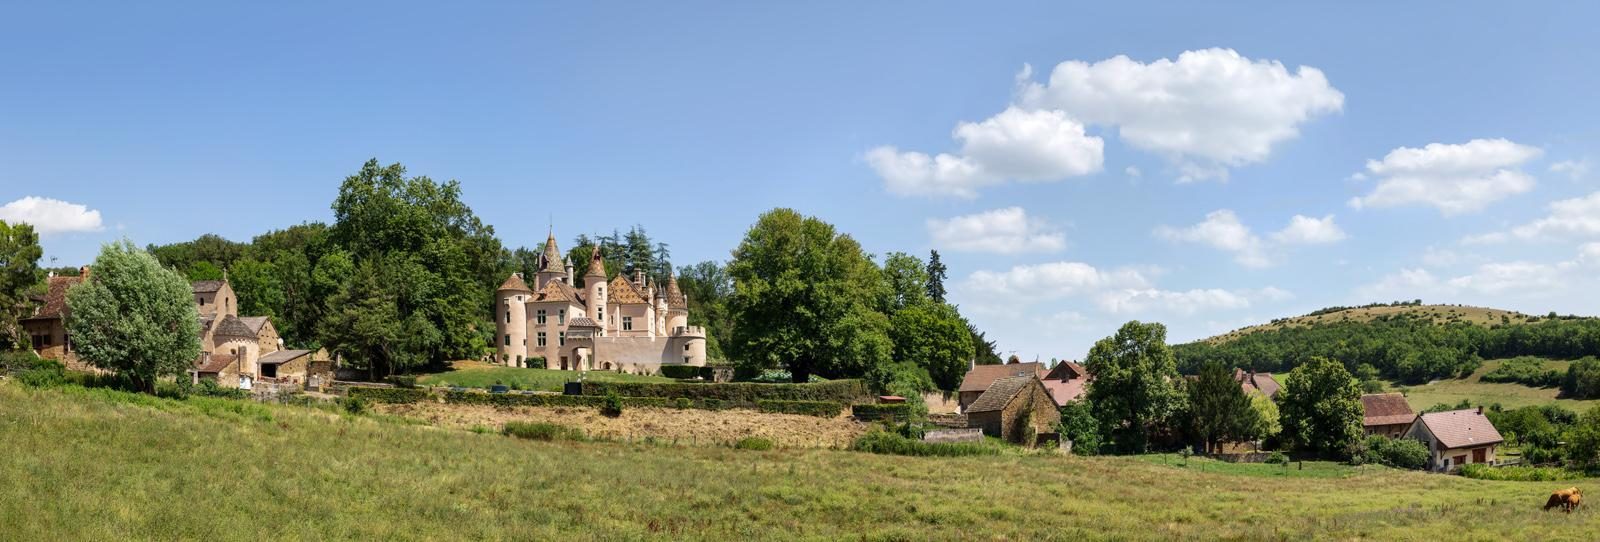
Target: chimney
point(83, 273)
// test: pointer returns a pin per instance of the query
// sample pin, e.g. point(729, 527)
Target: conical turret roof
point(675, 298)
point(597, 264)
point(515, 283)
point(550, 261)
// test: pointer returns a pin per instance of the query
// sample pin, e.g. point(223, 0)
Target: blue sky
point(1435, 151)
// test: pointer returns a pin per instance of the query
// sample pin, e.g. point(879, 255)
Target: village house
point(47, 328)
point(1264, 383)
point(1386, 414)
point(1456, 438)
point(1067, 382)
point(1012, 406)
point(980, 377)
point(622, 325)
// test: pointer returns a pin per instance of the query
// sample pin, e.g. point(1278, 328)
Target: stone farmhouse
point(1386, 414)
point(1011, 406)
point(1456, 438)
point(235, 351)
point(623, 325)
point(1066, 382)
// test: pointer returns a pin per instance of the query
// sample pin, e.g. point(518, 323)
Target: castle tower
point(570, 276)
point(595, 282)
point(660, 309)
point(677, 305)
point(511, 321)
point(550, 263)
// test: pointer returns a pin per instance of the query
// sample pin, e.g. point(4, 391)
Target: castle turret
point(677, 305)
point(568, 262)
point(659, 303)
point(550, 263)
point(594, 282)
point(511, 322)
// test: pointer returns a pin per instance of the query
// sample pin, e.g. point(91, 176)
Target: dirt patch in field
point(688, 426)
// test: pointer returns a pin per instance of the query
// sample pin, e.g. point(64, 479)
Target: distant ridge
point(1439, 314)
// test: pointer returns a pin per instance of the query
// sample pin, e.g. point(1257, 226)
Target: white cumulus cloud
point(51, 216)
point(1454, 178)
point(1305, 230)
point(1055, 280)
point(1576, 169)
point(1005, 231)
point(1222, 230)
point(1207, 111)
point(1576, 217)
point(1016, 144)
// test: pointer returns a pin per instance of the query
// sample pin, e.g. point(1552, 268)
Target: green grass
point(483, 375)
point(1509, 395)
point(102, 466)
point(1296, 469)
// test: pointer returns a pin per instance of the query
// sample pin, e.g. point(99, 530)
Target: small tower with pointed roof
point(550, 263)
point(594, 280)
point(677, 305)
point(511, 322)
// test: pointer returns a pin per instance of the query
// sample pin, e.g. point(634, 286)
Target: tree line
point(1405, 347)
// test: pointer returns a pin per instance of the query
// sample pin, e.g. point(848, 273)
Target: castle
point(622, 325)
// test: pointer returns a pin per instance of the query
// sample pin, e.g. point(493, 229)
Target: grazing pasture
point(103, 465)
point(1474, 389)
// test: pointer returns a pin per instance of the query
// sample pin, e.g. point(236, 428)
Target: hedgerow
point(820, 409)
point(839, 391)
point(390, 395)
point(874, 412)
point(883, 442)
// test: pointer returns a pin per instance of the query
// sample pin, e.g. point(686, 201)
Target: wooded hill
point(1406, 341)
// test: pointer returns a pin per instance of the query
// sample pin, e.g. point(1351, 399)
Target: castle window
point(562, 338)
point(541, 338)
point(561, 317)
point(508, 317)
point(600, 313)
point(686, 348)
point(627, 323)
point(508, 340)
point(540, 316)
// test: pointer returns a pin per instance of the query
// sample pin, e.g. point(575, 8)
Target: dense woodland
point(1403, 347)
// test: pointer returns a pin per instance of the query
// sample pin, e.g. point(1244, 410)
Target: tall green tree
point(804, 299)
point(134, 317)
point(936, 275)
point(985, 351)
point(19, 272)
point(934, 337)
point(438, 264)
point(1321, 408)
point(908, 281)
point(1219, 409)
point(1133, 388)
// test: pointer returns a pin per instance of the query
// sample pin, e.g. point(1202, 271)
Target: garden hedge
point(685, 372)
point(820, 409)
point(875, 412)
point(743, 393)
point(390, 395)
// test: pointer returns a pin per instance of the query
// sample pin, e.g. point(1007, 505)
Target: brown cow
point(1568, 499)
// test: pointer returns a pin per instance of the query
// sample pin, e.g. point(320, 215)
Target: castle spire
point(597, 264)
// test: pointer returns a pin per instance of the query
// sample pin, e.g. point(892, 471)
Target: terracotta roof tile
point(217, 363)
point(597, 264)
point(982, 376)
point(55, 297)
point(231, 326)
point(1385, 409)
point(675, 297)
point(515, 283)
point(558, 290)
point(582, 322)
point(550, 260)
point(1461, 428)
point(623, 293)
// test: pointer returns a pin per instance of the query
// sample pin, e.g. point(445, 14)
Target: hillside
point(1438, 314)
point(102, 465)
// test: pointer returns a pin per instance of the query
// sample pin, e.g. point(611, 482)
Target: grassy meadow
point(476, 374)
point(104, 465)
point(1474, 389)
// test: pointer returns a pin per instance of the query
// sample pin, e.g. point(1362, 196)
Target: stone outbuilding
point(1386, 414)
point(980, 377)
point(1456, 438)
point(1012, 406)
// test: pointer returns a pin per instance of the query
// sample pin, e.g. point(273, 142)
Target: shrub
point(17, 361)
point(1403, 453)
point(403, 381)
point(1582, 380)
point(612, 405)
point(742, 393)
point(883, 442)
point(900, 412)
point(390, 395)
point(685, 372)
point(1525, 370)
point(44, 373)
point(1277, 458)
point(355, 405)
point(754, 443)
point(820, 409)
point(1518, 473)
point(683, 403)
point(547, 432)
point(210, 388)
